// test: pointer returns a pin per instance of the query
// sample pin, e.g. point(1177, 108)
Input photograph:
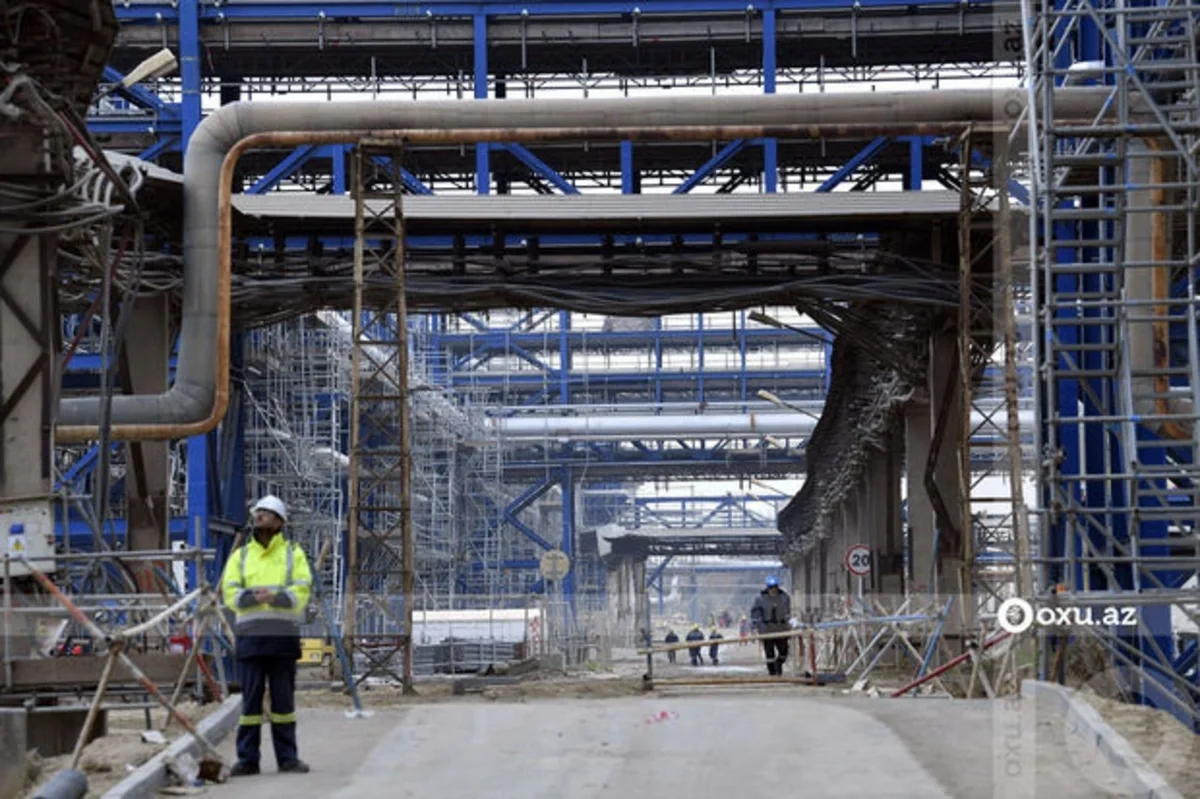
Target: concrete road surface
point(732, 746)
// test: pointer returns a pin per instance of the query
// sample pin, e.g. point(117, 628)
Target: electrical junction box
point(27, 530)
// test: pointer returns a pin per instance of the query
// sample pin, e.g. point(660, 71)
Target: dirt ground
point(109, 759)
point(1170, 748)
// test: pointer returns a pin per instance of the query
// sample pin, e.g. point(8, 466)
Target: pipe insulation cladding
point(195, 403)
point(652, 427)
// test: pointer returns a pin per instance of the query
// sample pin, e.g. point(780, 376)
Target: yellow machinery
point(315, 652)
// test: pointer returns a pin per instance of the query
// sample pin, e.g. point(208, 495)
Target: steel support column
point(28, 337)
point(380, 580)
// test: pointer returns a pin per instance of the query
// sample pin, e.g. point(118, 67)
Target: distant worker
point(671, 638)
point(714, 635)
point(743, 631)
point(695, 634)
point(772, 613)
point(267, 584)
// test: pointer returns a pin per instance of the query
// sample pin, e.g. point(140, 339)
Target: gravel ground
point(1169, 747)
point(109, 759)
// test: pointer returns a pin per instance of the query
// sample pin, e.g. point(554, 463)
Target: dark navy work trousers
point(257, 675)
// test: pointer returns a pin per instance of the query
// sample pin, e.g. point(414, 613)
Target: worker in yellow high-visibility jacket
point(267, 584)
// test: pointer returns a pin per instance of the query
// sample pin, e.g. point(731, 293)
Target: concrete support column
point(149, 461)
point(28, 335)
point(872, 501)
point(641, 598)
point(811, 589)
point(941, 375)
point(821, 570)
point(890, 563)
point(829, 566)
point(918, 433)
point(855, 518)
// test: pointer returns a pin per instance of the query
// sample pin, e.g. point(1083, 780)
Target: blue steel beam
point(863, 157)
point(284, 169)
point(410, 181)
point(111, 125)
point(770, 146)
point(158, 13)
point(165, 144)
point(539, 167)
point(81, 537)
point(711, 166)
point(142, 97)
point(94, 362)
point(483, 168)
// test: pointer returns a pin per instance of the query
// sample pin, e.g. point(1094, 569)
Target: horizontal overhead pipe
point(635, 426)
point(196, 401)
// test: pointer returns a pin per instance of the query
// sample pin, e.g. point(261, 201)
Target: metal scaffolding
point(1118, 358)
point(991, 519)
point(295, 393)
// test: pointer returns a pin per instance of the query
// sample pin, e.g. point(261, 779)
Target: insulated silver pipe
point(190, 398)
point(648, 426)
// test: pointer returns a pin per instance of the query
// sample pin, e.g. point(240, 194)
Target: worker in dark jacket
point(695, 634)
point(671, 638)
point(714, 635)
point(772, 613)
point(267, 584)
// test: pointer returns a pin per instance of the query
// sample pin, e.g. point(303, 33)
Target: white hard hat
point(272, 503)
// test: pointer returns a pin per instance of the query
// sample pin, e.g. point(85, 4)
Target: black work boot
point(294, 767)
point(243, 769)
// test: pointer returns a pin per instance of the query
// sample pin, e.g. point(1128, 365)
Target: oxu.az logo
point(1017, 615)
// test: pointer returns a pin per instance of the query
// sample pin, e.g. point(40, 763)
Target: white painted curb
point(145, 782)
point(1135, 773)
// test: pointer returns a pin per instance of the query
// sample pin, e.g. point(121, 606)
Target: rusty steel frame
point(380, 473)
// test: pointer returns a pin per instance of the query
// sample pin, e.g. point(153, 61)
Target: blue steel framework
point(865, 41)
point(1115, 282)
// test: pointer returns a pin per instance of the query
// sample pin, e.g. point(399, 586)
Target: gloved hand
point(794, 623)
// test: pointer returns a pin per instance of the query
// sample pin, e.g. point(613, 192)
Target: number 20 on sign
point(858, 560)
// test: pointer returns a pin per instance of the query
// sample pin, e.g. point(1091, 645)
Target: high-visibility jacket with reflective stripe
point(273, 627)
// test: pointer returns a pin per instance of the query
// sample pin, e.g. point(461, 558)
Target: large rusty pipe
point(1148, 242)
point(1161, 290)
point(196, 402)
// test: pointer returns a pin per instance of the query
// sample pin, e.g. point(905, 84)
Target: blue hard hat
point(772, 582)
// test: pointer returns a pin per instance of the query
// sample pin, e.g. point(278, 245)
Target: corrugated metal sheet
point(635, 209)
